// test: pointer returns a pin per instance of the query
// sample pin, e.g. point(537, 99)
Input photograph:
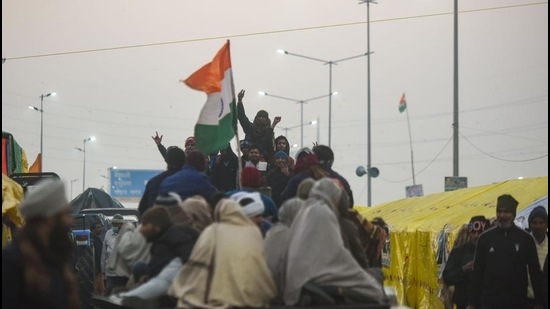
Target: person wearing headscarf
point(175, 159)
point(276, 242)
point(197, 208)
point(504, 257)
point(460, 264)
point(36, 266)
point(229, 261)
point(317, 256)
point(350, 233)
point(278, 176)
point(538, 225)
point(190, 180)
point(304, 188)
point(307, 166)
point(259, 132)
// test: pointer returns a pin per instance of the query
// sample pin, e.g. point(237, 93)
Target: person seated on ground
point(175, 159)
point(304, 188)
point(190, 180)
point(129, 248)
point(168, 241)
point(278, 176)
point(350, 234)
point(328, 269)
point(154, 291)
point(276, 244)
point(228, 262)
point(251, 204)
point(197, 208)
point(260, 131)
point(251, 182)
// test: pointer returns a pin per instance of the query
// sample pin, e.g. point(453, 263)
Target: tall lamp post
point(83, 150)
point(41, 110)
point(301, 102)
point(369, 166)
point(330, 64)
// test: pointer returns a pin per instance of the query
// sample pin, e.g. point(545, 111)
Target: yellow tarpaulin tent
point(12, 194)
point(422, 230)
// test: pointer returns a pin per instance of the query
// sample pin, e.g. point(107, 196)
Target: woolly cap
point(507, 202)
point(538, 212)
point(117, 219)
point(46, 199)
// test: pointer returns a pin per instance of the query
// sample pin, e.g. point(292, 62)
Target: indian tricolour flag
point(217, 122)
point(402, 103)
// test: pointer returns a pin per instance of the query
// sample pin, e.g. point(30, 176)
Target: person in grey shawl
point(276, 243)
point(317, 256)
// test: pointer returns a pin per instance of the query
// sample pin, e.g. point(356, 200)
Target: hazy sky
point(116, 67)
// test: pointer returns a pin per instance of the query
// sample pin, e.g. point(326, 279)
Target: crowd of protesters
point(219, 231)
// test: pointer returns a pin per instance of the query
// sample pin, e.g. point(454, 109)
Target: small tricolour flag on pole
point(402, 103)
point(217, 122)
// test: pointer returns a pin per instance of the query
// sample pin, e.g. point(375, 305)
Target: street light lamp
point(41, 110)
point(83, 150)
point(330, 63)
point(313, 122)
point(301, 102)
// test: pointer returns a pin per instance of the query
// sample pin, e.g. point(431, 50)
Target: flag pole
point(410, 141)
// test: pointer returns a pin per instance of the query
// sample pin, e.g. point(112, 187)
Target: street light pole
point(330, 63)
point(301, 102)
point(41, 110)
point(369, 178)
point(83, 150)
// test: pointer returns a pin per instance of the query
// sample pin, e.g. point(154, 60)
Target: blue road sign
point(130, 183)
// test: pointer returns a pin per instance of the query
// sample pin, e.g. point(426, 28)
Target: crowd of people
point(220, 231)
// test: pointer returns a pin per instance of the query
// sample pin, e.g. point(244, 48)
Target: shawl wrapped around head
point(226, 267)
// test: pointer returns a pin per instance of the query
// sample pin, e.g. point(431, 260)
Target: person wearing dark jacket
point(224, 170)
point(504, 255)
point(326, 158)
point(99, 285)
point(168, 240)
point(190, 180)
point(278, 176)
point(175, 159)
point(460, 263)
point(259, 132)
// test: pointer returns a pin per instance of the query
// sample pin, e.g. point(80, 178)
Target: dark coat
point(265, 140)
point(224, 174)
point(14, 290)
point(454, 275)
point(152, 189)
point(188, 182)
point(502, 260)
point(277, 181)
point(174, 241)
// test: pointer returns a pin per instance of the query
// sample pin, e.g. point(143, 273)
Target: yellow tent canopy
point(421, 229)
